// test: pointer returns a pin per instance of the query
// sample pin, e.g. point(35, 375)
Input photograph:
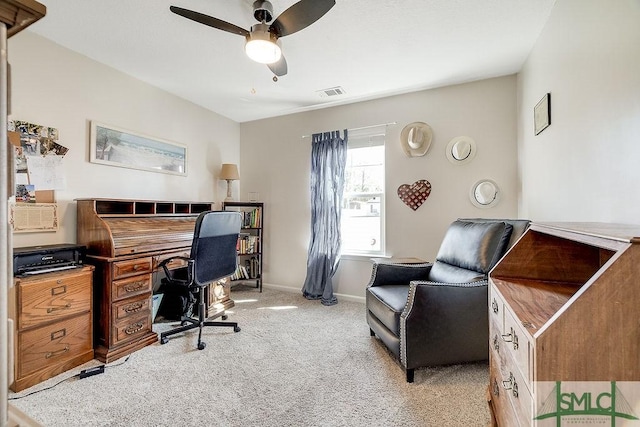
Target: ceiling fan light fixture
point(261, 46)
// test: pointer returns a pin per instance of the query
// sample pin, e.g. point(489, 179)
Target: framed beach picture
point(114, 146)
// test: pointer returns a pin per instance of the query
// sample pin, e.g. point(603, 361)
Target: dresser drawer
point(53, 298)
point(496, 308)
point(132, 286)
point(50, 344)
point(501, 404)
point(132, 327)
point(124, 309)
point(514, 388)
point(131, 267)
point(517, 341)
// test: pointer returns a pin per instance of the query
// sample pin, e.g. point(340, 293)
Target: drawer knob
point(512, 338)
point(511, 384)
point(133, 307)
point(135, 286)
point(51, 354)
point(132, 329)
point(63, 307)
point(494, 306)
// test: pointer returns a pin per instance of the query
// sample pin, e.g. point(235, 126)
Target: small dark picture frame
point(542, 114)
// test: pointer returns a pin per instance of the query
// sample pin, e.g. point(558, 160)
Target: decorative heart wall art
point(416, 194)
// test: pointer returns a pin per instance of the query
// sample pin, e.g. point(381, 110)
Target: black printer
point(47, 258)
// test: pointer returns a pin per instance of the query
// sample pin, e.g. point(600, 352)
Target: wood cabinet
point(250, 242)
point(218, 298)
point(563, 307)
point(53, 324)
point(126, 240)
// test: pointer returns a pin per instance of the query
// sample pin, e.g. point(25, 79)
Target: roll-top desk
point(126, 240)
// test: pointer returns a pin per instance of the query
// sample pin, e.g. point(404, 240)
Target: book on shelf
point(252, 218)
point(248, 244)
point(246, 271)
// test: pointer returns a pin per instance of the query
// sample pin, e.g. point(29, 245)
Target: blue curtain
point(328, 162)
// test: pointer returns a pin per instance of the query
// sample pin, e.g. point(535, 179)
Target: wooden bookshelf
point(250, 242)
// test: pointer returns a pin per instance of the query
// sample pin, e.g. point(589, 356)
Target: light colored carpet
point(295, 363)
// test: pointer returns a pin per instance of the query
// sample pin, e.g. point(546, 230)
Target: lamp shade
point(262, 46)
point(263, 51)
point(229, 171)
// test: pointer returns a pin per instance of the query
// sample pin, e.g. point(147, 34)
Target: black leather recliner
point(436, 313)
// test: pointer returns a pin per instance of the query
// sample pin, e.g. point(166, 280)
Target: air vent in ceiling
point(332, 91)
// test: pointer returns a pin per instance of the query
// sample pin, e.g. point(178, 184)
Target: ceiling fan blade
point(279, 68)
point(300, 16)
point(209, 20)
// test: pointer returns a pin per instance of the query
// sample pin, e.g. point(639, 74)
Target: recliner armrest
point(398, 274)
point(474, 284)
point(449, 318)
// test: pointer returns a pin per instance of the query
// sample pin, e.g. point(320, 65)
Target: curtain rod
point(363, 127)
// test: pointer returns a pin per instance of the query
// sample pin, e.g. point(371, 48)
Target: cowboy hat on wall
point(415, 139)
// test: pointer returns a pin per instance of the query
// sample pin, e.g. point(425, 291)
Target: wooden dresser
point(563, 307)
point(126, 240)
point(53, 324)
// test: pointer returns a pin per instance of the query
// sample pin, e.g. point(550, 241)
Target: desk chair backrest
point(213, 250)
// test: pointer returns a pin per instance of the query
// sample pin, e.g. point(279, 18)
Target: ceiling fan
point(262, 41)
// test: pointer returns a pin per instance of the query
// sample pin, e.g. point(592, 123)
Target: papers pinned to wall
point(46, 173)
point(38, 157)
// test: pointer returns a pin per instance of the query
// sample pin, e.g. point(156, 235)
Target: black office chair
point(213, 257)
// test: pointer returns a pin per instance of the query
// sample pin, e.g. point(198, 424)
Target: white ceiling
point(369, 48)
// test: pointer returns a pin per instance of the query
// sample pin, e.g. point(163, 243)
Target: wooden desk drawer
point(496, 308)
point(132, 266)
point(48, 345)
point(516, 391)
point(176, 263)
point(137, 285)
point(501, 404)
point(517, 341)
point(132, 327)
point(124, 309)
point(51, 299)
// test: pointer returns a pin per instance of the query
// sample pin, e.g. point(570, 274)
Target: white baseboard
point(345, 297)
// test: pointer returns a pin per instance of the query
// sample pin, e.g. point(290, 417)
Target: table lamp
point(229, 172)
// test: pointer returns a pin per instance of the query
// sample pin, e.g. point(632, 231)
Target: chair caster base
point(236, 329)
point(202, 345)
point(225, 317)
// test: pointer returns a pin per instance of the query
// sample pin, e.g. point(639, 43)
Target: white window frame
point(358, 139)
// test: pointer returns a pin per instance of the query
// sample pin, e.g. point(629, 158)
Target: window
point(363, 203)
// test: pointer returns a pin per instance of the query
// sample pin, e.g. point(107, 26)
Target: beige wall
point(584, 167)
point(275, 161)
point(56, 87)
